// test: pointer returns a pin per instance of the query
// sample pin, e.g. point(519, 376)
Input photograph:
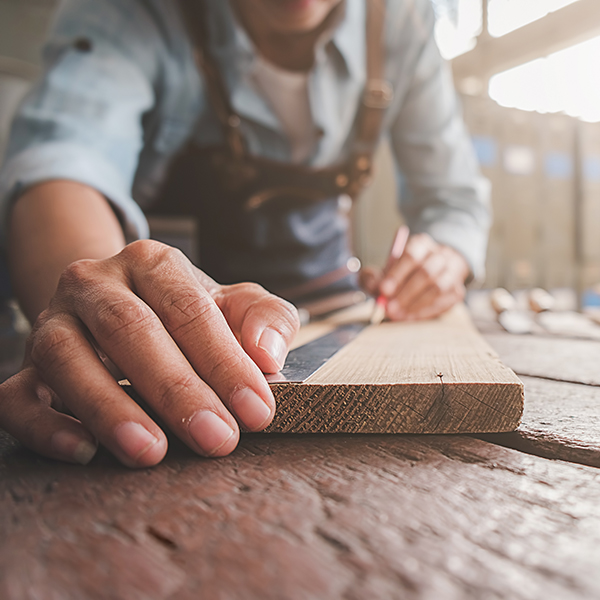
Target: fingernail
point(73, 447)
point(272, 342)
point(387, 287)
point(134, 439)
point(209, 431)
point(250, 408)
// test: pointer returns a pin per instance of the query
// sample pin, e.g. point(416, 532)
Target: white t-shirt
point(287, 93)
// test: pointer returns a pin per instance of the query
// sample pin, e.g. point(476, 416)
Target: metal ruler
point(303, 361)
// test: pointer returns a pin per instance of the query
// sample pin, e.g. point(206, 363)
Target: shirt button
point(353, 264)
point(82, 45)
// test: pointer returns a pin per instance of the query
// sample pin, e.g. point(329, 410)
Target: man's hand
point(194, 350)
point(424, 282)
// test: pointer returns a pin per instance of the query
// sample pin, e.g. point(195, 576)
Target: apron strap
point(195, 17)
point(377, 96)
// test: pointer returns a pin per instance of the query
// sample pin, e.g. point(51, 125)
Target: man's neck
point(290, 51)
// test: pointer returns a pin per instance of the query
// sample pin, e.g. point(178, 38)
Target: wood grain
point(297, 517)
point(437, 376)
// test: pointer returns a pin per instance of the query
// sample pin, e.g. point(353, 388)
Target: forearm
point(52, 225)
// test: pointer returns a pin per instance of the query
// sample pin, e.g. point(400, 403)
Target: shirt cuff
point(62, 160)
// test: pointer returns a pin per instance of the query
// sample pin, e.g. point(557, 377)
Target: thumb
point(264, 324)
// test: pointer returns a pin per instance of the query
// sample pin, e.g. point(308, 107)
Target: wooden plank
point(561, 421)
point(574, 361)
point(337, 517)
point(426, 377)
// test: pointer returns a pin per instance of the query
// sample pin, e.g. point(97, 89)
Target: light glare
point(563, 82)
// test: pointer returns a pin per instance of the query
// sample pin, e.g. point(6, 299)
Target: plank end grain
point(437, 376)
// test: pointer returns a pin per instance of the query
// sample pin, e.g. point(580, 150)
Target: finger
point(265, 324)
point(175, 347)
point(449, 282)
point(424, 281)
point(26, 413)
point(68, 363)
point(417, 249)
point(369, 279)
point(437, 305)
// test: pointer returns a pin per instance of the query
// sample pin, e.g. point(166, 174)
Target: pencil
point(398, 246)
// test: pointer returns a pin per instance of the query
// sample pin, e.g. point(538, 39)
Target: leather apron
point(270, 222)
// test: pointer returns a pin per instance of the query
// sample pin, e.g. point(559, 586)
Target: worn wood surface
point(560, 421)
point(352, 517)
point(575, 361)
point(328, 516)
point(428, 377)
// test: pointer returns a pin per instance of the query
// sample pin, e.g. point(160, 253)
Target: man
point(120, 98)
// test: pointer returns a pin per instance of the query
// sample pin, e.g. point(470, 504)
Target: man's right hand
point(195, 351)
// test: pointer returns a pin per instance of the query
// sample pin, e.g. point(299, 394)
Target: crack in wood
point(161, 538)
point(557, 379)
point(332, 541)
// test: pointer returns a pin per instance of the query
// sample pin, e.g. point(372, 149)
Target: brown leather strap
point(378, 92)
point(377, 97)
point(348, 178)
point(195, 17)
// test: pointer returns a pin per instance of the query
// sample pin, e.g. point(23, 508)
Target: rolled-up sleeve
point(447, 197)
point(83, 119)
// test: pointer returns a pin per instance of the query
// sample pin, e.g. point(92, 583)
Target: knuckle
point(281, 314)
point(437, 287)
point(430, 270)
point(115, 319)
point(286, 309)
point(53, 345)
point(170, 392)
point(225, 373)
point(80, 273)
point(427, 240)
point(251, 289)
point(284, 313)
point(150, 253)
point(412, 256)
point(182, 308)
point(293, 317)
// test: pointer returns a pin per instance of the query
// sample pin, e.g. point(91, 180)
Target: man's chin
point(298, 16)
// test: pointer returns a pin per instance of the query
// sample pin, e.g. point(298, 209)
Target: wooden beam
point(560, 422)
point(302, 517)
point(561, 29)
point(435, 376)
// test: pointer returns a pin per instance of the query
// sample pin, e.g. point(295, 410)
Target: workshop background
point(526, 71)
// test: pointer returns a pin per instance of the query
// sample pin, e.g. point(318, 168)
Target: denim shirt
point(121, 93)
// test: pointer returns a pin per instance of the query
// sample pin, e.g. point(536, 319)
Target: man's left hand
point(427, 280)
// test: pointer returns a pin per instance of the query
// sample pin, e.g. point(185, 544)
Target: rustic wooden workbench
point(329, 516)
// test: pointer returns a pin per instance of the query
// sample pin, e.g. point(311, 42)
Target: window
point(505, 16)
point(566, 82)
